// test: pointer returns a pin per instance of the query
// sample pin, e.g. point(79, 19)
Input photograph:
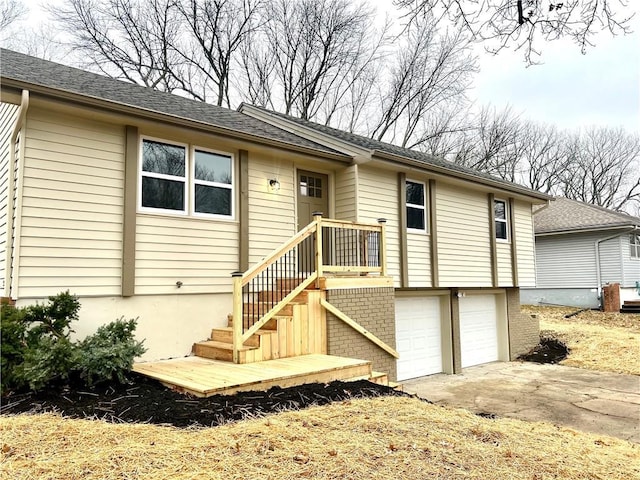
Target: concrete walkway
point(597, 402)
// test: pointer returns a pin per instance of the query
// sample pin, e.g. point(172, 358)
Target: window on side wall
point(181, 180)
point(500, 217)
point(416, 206)
point(634, 241)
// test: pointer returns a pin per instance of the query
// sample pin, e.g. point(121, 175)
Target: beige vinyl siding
point(464, 254)
point(418, 260)
point(72, 199)
point(272, 219)
point(7, 122)
point(525, 244)
point(503, 253)
point(200, 253)
point(378, 198)
point(346, 193)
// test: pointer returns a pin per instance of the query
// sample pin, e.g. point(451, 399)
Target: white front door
point(418, 336)
point(478, 329)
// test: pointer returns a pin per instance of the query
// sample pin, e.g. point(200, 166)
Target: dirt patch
point(549, 350)
point(147, 401)
point(577, 316)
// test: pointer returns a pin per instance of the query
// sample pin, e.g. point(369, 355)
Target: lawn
point(385, 437)
point(607, 342)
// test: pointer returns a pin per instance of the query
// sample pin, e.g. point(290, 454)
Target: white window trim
point(635, 245)
point(505, 220)
point(188, 180)
point(192, 196)
point(184, 180)
point(422, 207)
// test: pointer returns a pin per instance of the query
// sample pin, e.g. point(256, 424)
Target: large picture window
point(500, 216)
point(175, 179)
point(416, 206)
point(634, 241)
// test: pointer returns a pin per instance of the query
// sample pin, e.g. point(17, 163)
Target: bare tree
point(604, 168)
point(524, 24)
point(10, 11)
point(430, 69)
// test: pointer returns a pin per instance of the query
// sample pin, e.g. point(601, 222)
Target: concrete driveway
point(597, 402)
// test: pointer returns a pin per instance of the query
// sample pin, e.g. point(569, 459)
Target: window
point(416, 206)
point(634, 240)
point(163, 176)
point(310, 186)
point(500, 216)
point(166, 185)
point(213, 183)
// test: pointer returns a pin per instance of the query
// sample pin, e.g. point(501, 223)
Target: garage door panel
point(478, 330)
point(418, 336)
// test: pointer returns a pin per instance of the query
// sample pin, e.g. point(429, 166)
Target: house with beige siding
point(580, 248)
point(250, 235)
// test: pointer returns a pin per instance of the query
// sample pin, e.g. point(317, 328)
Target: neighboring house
point(143, 203)
point(579, 249)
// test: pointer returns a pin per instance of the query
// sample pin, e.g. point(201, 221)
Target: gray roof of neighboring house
point(379, 147)
point(33, 71)
point(564, 215)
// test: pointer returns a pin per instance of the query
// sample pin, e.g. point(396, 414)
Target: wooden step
point(270, 325)
point(219, 350)
point(277, 295)
point(263, 307)
point(225, 335)
point(396, 386)
point(632, 302)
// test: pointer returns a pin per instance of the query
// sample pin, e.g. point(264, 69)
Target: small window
point(500, 216)
point(163, 176)
point(634, 241)
point(416, 206)
point(310, 186)
point(213, 183)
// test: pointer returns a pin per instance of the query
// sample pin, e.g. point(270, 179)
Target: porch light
point(274, 185)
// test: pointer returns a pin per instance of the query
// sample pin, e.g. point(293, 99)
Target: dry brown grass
point(382, 438)
point(607, 342)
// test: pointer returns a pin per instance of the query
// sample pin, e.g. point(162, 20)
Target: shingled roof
point(564, 216)
point(382, 149)
point(24, 71)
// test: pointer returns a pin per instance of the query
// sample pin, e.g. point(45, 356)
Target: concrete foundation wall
point(571, 297)
point(524, 331)
point(374, 309)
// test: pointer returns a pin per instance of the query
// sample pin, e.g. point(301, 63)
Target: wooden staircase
point(298, 329)
point(630, 306)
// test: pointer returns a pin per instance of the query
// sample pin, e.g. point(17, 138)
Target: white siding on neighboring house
point(611, 261)
point(419, 260)
point(525, 244)
point(566, 261)
point(72, 206)
point(378, 198)
point(464, 254)
point(630, 266)
point(503, 253)
point(200, 253)
point(7, 122)
point(272, 217)
point(346, 193)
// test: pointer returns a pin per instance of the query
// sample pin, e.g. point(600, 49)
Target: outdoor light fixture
point(274, 185)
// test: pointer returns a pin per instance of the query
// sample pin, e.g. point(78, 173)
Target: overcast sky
point(569, 89)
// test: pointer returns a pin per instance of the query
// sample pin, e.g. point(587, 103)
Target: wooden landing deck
point(203, 377)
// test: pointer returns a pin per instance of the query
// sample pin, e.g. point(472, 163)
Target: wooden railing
point(322, 247)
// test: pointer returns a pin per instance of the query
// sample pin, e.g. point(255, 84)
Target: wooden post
point(238, 318)
point(383, 247)
point(317, 217)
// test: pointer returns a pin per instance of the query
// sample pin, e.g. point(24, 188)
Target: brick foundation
point(374, 309)
point(524, 331)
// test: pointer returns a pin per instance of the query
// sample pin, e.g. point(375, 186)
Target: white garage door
point(478, 330)
point(418, 337)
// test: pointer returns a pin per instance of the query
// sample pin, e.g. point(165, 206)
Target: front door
point(312, 196)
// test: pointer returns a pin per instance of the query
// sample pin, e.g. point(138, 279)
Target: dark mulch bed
point(549, 350)
point(145, 400)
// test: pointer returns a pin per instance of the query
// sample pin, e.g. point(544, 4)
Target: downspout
point(597, 248)
point(11, 192)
